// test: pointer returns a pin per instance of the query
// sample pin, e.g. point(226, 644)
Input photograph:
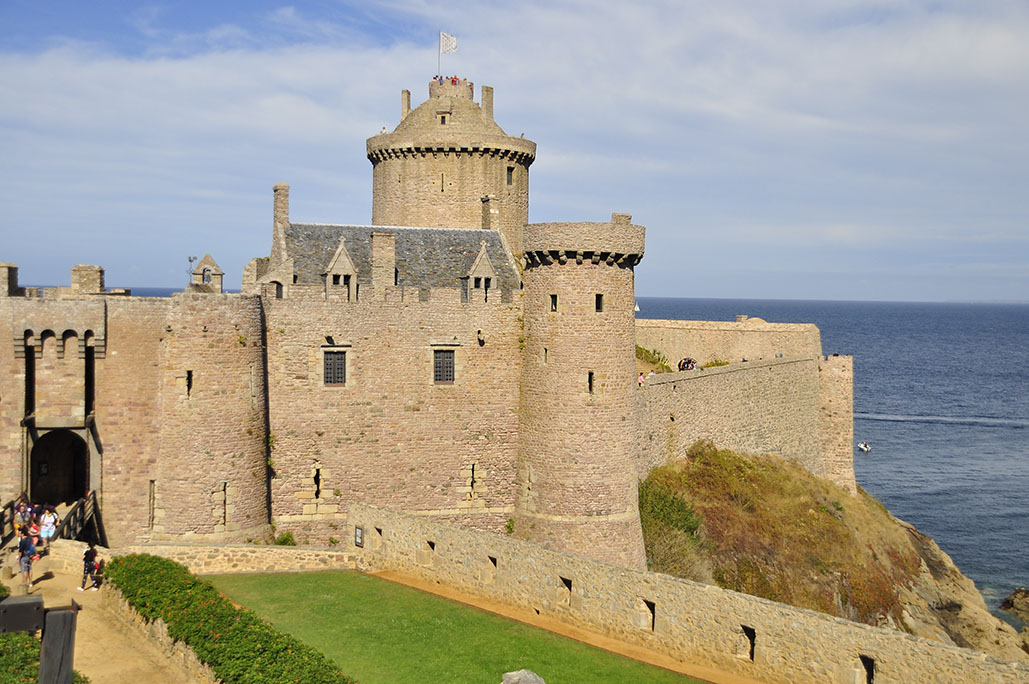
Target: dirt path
point(106, 649)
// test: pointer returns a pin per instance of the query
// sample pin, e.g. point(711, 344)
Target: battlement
point(452, 86)
point(618, 241)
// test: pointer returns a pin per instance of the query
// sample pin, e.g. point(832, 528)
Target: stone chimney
point(405, 104)
point(490, 211)
point(487, 102)
point(87, 279)
point(384, 261)
point(280, 210)
point(8, 280)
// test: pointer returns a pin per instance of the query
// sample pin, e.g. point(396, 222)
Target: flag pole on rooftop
point(447, 43)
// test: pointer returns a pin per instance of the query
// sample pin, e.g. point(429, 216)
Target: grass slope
point(765, 526)
point(386, 633)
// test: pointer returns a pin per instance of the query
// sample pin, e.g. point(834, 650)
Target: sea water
point(941, 392)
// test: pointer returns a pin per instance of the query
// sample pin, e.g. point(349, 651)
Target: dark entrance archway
point(58, 466)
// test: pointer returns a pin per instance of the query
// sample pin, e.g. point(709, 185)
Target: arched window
point(278, 289)
point(207, 276)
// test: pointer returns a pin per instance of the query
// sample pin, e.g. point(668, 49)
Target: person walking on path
point(26, 551)
point(48, 525)
point(89, 564)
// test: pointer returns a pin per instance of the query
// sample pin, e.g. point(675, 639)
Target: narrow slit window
point(151, 503)
point(589, 381)
point(751, 635)
point(553, 302)
point(546, 356)
point(442, 119)
point(317, 483)
point(510, 175)
point(600, 303)
point(869, 664)
point(652, 609)
point(396, 276)
point(346, 285)
point(443, 366)
point(189, 383)
point(334, 367)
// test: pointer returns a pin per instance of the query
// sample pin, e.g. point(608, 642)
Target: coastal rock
point(946, 606)
point(1018, 603)
point(522, 677)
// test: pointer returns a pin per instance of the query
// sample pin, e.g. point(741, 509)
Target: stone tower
point(576, 472)
point(449, 165)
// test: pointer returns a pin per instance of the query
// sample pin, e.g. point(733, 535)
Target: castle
point(450, 360)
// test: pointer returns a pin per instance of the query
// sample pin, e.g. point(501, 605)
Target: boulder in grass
point(522, 677)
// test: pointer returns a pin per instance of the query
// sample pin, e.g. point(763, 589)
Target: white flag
point(447, 43)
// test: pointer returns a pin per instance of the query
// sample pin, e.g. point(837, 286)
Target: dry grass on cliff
point(767, 527)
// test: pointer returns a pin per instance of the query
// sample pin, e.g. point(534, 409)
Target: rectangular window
point(589, 381)
point(510, 175)
point(335, 279)
point(553, 302)
point(335, 367)
point(478, 283)
point(600, 303)
point(443, 366)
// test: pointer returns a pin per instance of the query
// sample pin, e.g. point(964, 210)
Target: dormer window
point(477, 283)
point(335, 279)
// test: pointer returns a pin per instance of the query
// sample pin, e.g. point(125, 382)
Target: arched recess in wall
point(278, 289)
point(59, 467)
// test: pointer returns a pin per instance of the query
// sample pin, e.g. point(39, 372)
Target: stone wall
point(770, 406)
point(233, 558)
point(752, 339)
point(836, 428)
point(695, 623)
point(390, 432)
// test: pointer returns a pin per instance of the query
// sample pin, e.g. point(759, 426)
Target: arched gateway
point(58, 468)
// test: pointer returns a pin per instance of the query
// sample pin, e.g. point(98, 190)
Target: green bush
point(239, 647)
point(658, 503)
point(715, 363)
point(285, 539)
point(654, 358)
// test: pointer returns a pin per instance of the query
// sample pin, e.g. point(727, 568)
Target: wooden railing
point(78, 516)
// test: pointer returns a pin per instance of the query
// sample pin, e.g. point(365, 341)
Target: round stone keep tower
point(449, 165)
point(578, 427)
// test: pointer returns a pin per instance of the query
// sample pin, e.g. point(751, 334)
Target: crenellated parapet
point(617, 242)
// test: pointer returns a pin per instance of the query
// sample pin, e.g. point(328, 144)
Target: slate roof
point(425, 257)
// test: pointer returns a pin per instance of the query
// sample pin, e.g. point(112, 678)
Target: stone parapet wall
point(752, 339)
point(764, 407)
point(695, 623)
point(233, 558)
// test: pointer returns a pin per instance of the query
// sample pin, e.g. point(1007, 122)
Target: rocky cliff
point(767, 527)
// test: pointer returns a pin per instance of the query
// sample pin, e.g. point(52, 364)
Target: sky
point(804, 149)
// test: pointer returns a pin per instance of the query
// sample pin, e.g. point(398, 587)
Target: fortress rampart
point(755, 407)
point(748, 338)
point(692, 623)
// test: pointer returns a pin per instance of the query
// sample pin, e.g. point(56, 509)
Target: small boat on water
point(637, 307)
point(865, 447)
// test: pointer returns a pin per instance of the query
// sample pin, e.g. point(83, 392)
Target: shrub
point(236, 644)
point(654, 358)
point(715, 363)
point(285, 539)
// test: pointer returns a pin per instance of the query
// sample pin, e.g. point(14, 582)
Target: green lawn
point(385, 633)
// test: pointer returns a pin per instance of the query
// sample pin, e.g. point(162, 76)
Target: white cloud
point(826, 125)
